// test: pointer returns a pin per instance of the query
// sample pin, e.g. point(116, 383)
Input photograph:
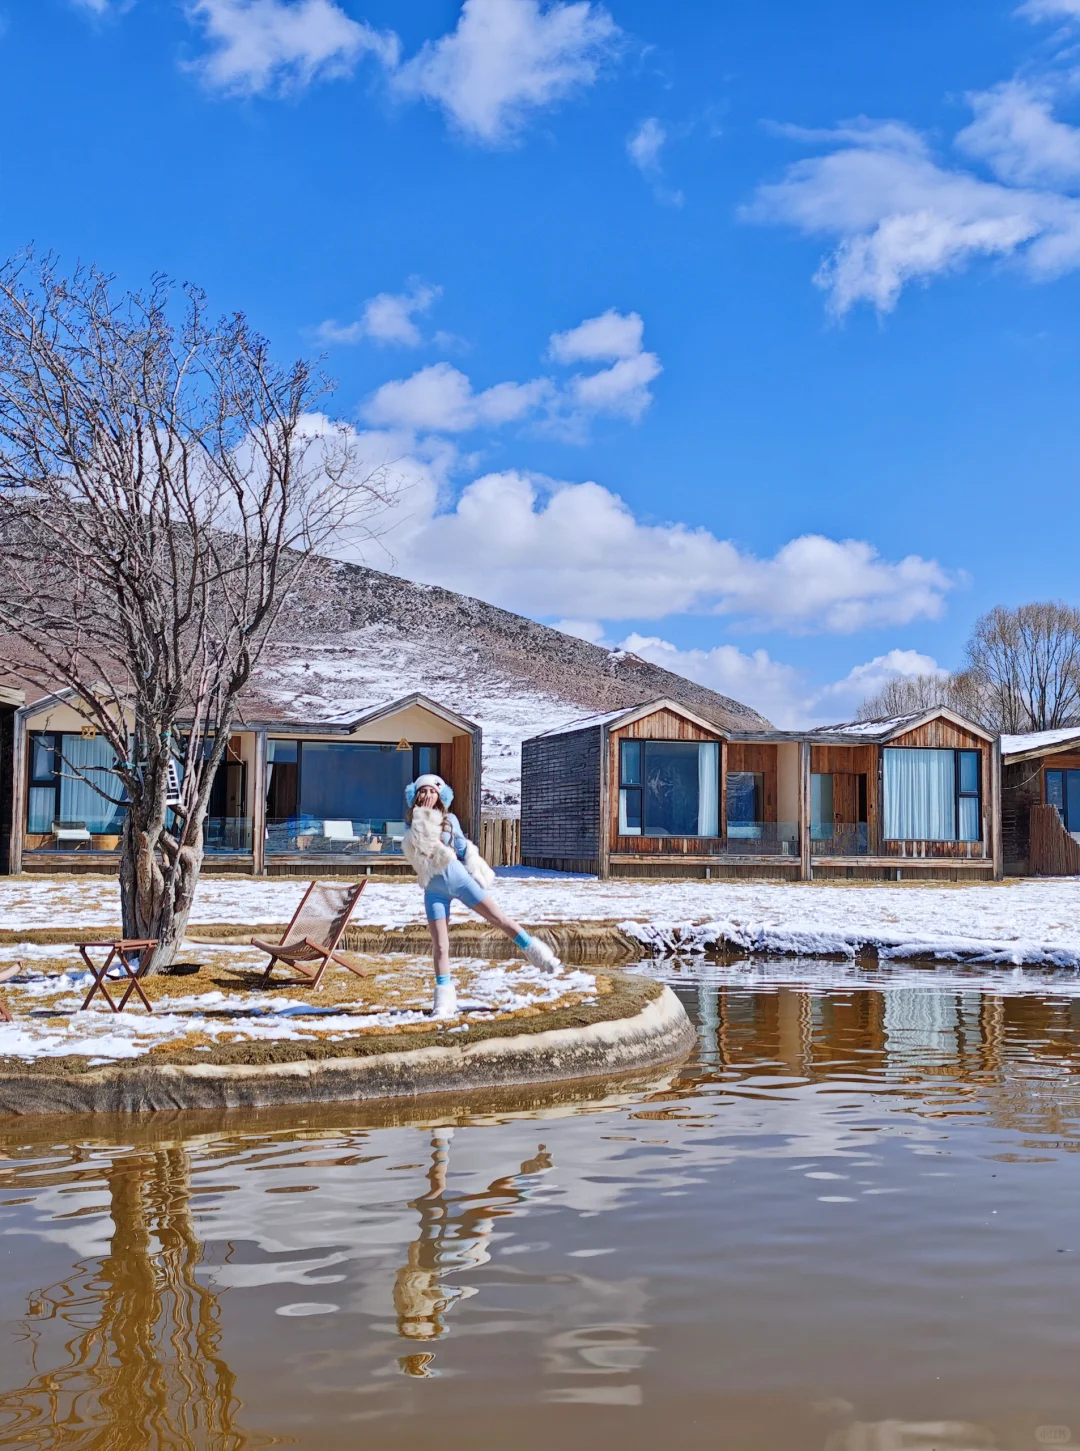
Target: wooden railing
point(500, 840)
point(1052, 851)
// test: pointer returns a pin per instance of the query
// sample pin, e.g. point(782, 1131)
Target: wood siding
point(455, 761)
point(664, 725)
point(845, 764)
point(1021, 788)
point(762, 760)
point(1053, 852)
point(560, 798)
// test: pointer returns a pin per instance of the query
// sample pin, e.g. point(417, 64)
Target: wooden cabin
point(1040, 803)
point(657, 791)
point(291, 797)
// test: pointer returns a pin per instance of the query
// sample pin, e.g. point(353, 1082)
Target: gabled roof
point(616, 718)
point(379, 712)
point(889, 727)
point(1039, 743)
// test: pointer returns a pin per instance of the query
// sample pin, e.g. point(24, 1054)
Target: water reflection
point(141, 1362)
point(846, 1224)
point(455, 1231)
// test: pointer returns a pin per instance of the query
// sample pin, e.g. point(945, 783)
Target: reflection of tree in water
point(143, 1368)
point(454, 1233)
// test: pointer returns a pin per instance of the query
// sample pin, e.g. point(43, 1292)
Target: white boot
point(541, 956)
point(445, 1005)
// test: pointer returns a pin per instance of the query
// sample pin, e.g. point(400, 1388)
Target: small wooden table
point(121, 951)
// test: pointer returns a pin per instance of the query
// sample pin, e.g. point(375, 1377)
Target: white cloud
point(387, 318)
point(621, 390)
point(643, 145)
point(281, 45)
point(900, 216)
point(577, 551)
point(1051, 9)
point(607, 338)
point(1015, 133)
point(591, 630)
point(440, 399)
point(778, 690)
point(507, 58)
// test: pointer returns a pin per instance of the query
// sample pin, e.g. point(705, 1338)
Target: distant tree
point(1022, 674)
point(1027, 664)
point(164, 491)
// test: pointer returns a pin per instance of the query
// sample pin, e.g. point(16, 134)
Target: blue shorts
point(454, 883)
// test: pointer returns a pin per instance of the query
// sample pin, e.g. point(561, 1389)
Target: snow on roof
point(584, 722)
point(1038, 741)
point(870, 728)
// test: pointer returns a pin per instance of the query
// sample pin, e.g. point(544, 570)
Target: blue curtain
point(920, 794)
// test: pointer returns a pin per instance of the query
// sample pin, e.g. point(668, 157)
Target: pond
point(851, 1222)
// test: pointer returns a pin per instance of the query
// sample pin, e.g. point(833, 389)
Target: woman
point(449, 868)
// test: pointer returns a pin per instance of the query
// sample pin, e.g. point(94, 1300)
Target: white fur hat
point(446, 793)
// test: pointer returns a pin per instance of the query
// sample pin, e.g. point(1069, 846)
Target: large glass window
point(932, 795)
point(669, 788)
point(344, 792)
point(745, 796)
point(72, 780)
point(1063, 791)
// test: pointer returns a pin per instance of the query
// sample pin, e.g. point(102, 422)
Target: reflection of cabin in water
point(291, 797)
point(1040, 803)
point(659, 791)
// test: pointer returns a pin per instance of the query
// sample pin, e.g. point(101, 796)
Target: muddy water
point(850, 1223)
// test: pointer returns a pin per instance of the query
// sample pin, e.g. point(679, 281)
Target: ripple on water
point(847, 1223)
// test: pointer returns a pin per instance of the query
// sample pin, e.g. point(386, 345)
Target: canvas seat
point(311, 939)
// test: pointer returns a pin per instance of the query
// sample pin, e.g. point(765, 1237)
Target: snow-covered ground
point(47, 1022)
point(1018, 922)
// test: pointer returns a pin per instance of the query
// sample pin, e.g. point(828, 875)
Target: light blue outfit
point(454, 882)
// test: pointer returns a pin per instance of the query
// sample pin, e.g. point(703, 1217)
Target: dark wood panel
point(1066, 761)
point(829, 760)
point(560, 797)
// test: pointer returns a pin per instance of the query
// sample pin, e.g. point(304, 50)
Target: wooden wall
point(762, 759)
point(455, 761)
point(560, 799)
point(1023, 785)
point(663, 725)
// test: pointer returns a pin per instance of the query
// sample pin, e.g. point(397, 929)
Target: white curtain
point(81, 797)
point(708, 811)
point(920, 794)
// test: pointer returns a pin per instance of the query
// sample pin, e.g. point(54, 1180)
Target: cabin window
point(745, 795)
point(932, 795)
point(353, 784)
point(822, 817)
point(669, 788)
point(1063, 791)
point(71, 779)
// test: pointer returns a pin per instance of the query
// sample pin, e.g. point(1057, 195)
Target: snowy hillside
point(364, 638)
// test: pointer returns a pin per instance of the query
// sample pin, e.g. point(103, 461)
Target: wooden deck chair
point(6, 974)
point(311, 938)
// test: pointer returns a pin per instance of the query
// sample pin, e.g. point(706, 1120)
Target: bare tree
point(909, 694)
point(164, 490)
point(1027, 663)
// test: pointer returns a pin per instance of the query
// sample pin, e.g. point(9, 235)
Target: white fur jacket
point(429, 847)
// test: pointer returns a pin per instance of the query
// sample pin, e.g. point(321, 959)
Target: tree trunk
point(155, 903)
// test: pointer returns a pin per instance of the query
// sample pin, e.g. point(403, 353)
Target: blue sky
point(742, 333)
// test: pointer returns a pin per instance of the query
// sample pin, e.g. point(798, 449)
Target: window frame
point(962, 795)
point(630, 788)
point(1063, 773)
